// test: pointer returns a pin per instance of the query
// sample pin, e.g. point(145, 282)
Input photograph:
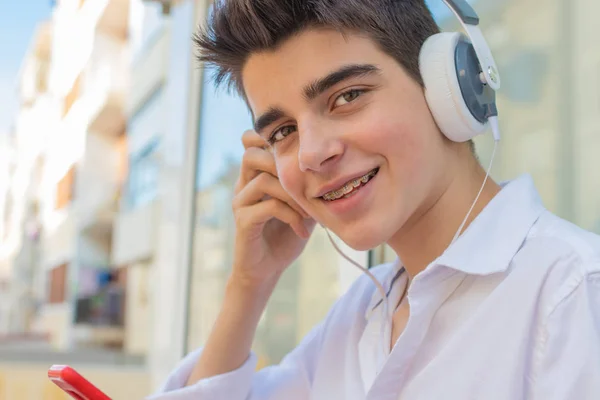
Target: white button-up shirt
point(510, 311)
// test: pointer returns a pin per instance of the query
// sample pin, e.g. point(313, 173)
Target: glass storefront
point(307, 289)
point(540, 137)
point(549, 58)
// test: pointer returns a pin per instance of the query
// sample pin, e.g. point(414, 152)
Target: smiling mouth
point(350, 188)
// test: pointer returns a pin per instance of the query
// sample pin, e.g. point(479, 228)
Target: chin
point(361, 238)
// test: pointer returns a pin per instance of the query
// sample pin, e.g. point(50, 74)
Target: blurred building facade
point(116, 181)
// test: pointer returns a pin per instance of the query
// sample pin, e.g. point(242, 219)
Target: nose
point(318, 149)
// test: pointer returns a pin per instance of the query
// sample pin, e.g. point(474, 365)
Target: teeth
point(348, 188)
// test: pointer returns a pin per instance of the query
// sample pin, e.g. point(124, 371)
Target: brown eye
point(347, 97)
point(281, 133)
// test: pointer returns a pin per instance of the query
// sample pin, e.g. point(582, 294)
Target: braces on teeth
point(349, 187)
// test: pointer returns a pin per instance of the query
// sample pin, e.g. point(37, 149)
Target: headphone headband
point(470, 21)
point(463, 11)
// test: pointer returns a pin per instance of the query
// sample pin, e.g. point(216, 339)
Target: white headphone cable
point(386, 314)
point(496, 132)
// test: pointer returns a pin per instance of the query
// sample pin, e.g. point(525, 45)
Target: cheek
point(404, 126)
point(393, 137)
point(290, 177)
point(403, 143)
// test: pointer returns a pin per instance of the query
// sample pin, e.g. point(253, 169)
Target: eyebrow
point(273, 114)
point(316, 88)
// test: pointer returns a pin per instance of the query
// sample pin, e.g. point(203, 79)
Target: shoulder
point(563, 256)
point(568, 237)
point(555, 241)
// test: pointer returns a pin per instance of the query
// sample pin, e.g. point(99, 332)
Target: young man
point(511, 310)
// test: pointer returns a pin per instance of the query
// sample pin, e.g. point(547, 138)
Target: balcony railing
point(105, 308)
point(106, 85)
point(134, 235)
point(115, 19)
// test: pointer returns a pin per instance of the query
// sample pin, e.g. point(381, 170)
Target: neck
point(428, 233)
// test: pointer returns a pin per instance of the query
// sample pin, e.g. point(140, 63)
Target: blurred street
point(118, 160)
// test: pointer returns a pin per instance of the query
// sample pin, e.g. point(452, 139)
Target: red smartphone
point(74, 384)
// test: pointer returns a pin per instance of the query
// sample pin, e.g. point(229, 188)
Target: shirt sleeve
point(289, 380)
point(569, 361)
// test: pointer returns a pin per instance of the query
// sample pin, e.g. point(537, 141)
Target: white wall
point(72, 43)
point(107, 72)
point(145, 20)
point(135, 234)
point(149, 70)
point(91, 253)
point(148, 122)
point(59, 243)
point(97, 177)
point(5, 160)
point(137, 309)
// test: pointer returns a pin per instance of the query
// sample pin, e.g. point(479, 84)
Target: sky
point(18, 21)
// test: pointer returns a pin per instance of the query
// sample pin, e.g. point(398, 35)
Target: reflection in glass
point(307, 289)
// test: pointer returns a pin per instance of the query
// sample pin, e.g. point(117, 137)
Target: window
point(143, 141)
point(144, 172)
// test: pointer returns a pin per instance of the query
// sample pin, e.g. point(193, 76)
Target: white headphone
point(461, 78)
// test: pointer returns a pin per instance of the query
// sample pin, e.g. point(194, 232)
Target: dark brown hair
point(239, 28)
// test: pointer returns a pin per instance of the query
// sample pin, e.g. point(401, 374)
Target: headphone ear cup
point(446, 100)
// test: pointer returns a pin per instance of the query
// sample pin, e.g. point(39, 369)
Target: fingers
point(260, 213)
point(253, 139)
point(259, 194)
point(265, 185)
point(254, 162)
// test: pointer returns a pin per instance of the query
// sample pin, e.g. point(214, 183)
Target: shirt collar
point(493, 238)
point(490, 242)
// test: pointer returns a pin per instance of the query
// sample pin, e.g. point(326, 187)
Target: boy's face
point(340, 110)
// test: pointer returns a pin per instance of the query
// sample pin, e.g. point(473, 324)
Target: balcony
point(106, 79)
point(114, 19)
point(36, 68)
point(96, 225)
point(6, 261)
point(99, 188)
point(97, 207)
point(58, 243)
point(149, 70)
point(134, 236)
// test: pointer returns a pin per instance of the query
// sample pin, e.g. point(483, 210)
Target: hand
point(271, 228)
